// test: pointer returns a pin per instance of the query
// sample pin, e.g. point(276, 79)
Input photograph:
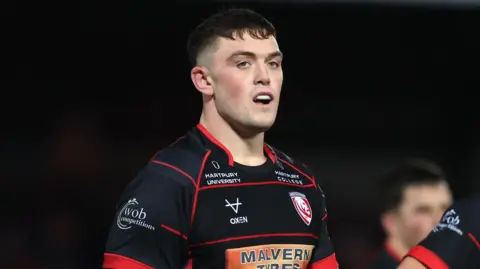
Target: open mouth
point(263, 98)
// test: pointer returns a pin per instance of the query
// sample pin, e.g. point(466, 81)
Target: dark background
point(99, 87)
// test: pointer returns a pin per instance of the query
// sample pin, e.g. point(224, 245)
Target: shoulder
point(470, 203)
point(171, 170)
point(170, 173)
point(295, 164)
point(467, 206)
point(464, 212)
point(181, 161)
point(462, 218)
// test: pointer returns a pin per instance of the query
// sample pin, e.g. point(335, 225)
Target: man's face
point(421, 210)
point(247, 79)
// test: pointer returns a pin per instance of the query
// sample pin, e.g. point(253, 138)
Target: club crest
point(301, 204)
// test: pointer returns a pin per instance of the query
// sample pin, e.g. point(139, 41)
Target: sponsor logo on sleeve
point(132, 214)
point(450, 221)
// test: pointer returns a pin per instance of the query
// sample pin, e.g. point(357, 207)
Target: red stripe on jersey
point(216, 142)
point(270, 154)
point(171, 145)
point(256, 184)
point(329, 262)
point(115, 261)
point(255, 236)
point(173, 231)
point(177, 169)
point(298, 170)
point(199, 177)
point(189, 264)
point(427, 258)
point(474, 240)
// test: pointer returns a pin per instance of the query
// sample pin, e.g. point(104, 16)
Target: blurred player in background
point(412, 198)
point(453, 244)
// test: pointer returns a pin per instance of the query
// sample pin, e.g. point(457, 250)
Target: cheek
point(276, 80)
point(232, 85)
point(421, 223)
point(279, 76)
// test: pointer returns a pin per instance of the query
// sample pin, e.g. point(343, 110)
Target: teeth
point(263, 97)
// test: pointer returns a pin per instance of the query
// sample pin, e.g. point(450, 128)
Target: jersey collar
point(216, 146)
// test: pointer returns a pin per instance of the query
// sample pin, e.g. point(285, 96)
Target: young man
point(453, 244)
point(414, 195)
point(220, 197)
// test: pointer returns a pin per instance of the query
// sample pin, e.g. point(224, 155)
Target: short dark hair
point(414, 172)
point(227, 24)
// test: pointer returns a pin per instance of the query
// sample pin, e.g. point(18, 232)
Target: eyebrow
point(250, 54)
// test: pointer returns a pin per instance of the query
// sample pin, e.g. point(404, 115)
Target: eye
point(274, 64)
point(423, 209)
point(243, 64)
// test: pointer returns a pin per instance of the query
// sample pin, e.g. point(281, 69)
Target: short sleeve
point(324, 253)
point(151, 224)
point(453, 242)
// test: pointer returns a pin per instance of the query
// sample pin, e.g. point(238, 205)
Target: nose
point(262, 76)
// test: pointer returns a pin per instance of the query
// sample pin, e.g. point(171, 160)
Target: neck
point(245, 150)
point(397, 248)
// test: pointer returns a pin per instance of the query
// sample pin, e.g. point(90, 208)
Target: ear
point(202, 80)
point(388, 223)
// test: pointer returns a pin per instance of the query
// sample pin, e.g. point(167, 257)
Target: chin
point(262, 129)
point(263, 126)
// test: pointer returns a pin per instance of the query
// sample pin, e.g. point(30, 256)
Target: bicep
point(151, 225)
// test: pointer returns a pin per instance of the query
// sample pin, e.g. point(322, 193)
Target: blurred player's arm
point(452, 244)
point(151, 223)
point(324, 253)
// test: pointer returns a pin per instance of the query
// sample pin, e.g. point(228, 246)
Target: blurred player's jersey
point(194, 207)
point(454, 243)
point(386, 259)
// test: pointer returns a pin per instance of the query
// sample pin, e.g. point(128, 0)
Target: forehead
point(427, 194)
point(262, 47)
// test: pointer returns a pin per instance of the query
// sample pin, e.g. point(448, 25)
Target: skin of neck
point(397, 246)
point(246, 150)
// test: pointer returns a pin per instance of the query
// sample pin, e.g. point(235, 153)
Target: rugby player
point(413, 196)
point(453, 244)
point(220, 197)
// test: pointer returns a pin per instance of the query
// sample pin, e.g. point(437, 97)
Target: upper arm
point(452, 243)
point(151, 224)
point(324, 255)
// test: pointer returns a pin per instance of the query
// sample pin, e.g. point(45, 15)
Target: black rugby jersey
point(192, 206)
point(387, 258)
point(454, 242)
